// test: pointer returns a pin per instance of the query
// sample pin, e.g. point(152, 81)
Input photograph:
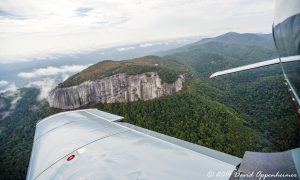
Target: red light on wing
point(71, 157)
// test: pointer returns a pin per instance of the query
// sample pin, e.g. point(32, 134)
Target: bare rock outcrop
point(119, 88)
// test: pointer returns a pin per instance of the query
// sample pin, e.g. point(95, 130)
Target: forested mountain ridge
point(247, 111)
point(245, 39)
point(259, 96)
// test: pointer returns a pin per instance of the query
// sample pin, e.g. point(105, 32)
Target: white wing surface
point(89, 144)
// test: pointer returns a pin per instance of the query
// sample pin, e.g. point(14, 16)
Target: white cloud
point(39, 29)
point(11, 92)
point(45, 86)
point(65, 77)
point(3, 83)
point(13, 105)
point(51, 71)
point(126, 48)
point(10, 89)
point(146, 45)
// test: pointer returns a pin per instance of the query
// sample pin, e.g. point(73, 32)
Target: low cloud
point(126, 48)
point(10, 92)
point(146, 45)
point(65, 77)
point(51, 71)
point(13, 105)
point(3, 83)
point(45, 86)
point(10, 89)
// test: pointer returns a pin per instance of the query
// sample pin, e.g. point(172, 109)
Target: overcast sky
point(39, 28)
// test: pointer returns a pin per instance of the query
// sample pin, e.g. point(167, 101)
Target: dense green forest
point(17, 132)
point(247, 111)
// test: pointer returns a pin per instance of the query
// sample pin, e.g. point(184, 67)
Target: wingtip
point(212, 76)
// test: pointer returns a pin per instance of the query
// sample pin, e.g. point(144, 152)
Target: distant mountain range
point(9, 72)
point(262, 40)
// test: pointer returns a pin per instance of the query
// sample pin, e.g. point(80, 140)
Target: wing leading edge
point(256, 65)
point(244, 68)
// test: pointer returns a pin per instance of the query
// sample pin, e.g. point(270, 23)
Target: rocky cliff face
point(118, 88)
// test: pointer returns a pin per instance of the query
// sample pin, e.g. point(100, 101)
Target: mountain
point(143, 78)
point(259, 96)
point(167, 69)
point(247, 111)
point(237, 38)
point(230, 38)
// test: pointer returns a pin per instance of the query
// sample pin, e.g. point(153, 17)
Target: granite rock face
point(119, 88)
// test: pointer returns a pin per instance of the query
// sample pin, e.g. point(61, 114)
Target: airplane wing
point(91, 144)
point(244, 68)
point(256, 65)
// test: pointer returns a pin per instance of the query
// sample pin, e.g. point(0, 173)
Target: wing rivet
point(71, 157)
